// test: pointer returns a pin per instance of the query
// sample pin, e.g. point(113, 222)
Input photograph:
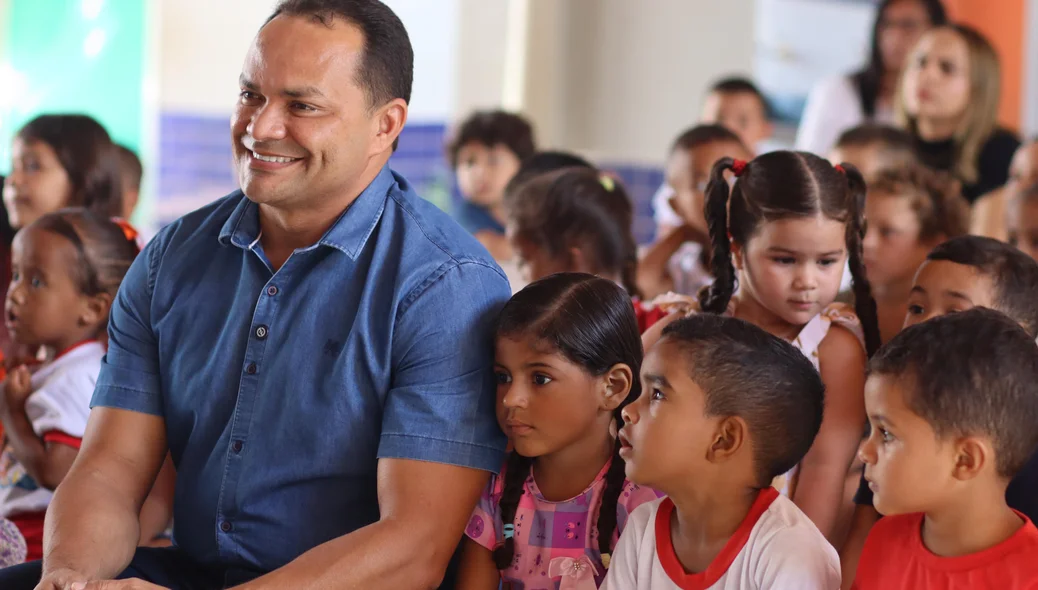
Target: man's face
point(302, 130)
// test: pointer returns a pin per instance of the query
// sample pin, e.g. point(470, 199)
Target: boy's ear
point(729, 437)
point(618, 383)
point(95, 309)
point(972, 456)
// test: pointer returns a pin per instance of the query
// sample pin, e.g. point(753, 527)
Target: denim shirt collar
point(348, 234)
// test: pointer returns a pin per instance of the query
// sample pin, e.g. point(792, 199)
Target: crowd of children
point(805, 414)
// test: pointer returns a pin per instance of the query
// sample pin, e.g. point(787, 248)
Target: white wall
point(203, 43)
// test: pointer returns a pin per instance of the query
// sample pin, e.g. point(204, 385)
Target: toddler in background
point(725, 408)
point(872, 148)
point(486, 152)
point(66, 269)
point(909, 210)
point(567, 356)
point(952, 403)
point(576, 220)
point(960, 274)
point(678, 260)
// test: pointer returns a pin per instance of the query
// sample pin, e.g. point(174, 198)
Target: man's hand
point(17, 388)
point(133, 584)
point(62, 579)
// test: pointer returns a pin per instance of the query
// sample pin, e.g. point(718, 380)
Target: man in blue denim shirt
point(314, 352)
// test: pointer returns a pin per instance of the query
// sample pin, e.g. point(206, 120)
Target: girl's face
point(44, 306)
point(545, 403)
point(793, 266)
point(37, 185)
point(937, 78)
point(942, 287)
point(688, 172)
point(892, 249)
point(483, 172)
point(1022, 223)
point(900, 27)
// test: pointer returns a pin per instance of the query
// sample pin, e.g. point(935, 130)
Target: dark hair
point(869, 79)
point(104, 253)
point(590, 321)
point(936, 199)
point(739, 85)
point(1013, 274)
point(766, 381)
point(131, 166)
point(972, 372)
point(543, 162)
point(780, 185)
point(578, 208)
point(700, 135)
point(87, 155)
point(492, 128)
point(386, 71)
point(896, 146)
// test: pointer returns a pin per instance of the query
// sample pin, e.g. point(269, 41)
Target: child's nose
point(514, 397)
point(629, 413)
point(867, 451)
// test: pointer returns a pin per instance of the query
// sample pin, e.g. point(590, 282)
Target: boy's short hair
point(935, 198)
point(972, 373)
point(1013, 274)
point(699, 135)
point(739, 85)
point(130, 166)
point(491, 128)
point(746, 372)
point(867, 134)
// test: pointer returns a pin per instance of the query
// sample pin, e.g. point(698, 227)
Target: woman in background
point(868, 95)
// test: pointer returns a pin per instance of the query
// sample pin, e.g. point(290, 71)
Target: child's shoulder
point(633, 496)
point(786, 540)
point(848, 332)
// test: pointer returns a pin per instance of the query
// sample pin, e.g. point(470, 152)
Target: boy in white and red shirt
point(953, 404)
point(725, 408)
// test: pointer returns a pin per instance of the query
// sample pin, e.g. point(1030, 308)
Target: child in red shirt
point(952, 403)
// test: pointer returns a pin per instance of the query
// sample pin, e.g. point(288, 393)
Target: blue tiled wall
point(196, 167)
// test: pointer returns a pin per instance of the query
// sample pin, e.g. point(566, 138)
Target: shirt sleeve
point(129, 378)
point(441, 406)
point(798, 558)
point(62, 403)
point(623, 567)
point(485, 525)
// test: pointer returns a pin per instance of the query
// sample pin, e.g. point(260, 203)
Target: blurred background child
point(871, 148)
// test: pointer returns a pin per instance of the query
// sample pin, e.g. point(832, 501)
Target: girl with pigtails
point(781, 236)
point(567, 358)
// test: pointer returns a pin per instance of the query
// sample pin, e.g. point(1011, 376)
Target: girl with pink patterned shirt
point(567, 356)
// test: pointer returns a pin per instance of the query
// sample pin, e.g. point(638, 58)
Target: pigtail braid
point(516, 472)
point(715, 298)
point(864, 304)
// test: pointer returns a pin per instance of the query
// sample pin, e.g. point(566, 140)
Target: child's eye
point(502, 378)
point(827, 261)
point(915, 309)
point(656, 395)
point(15, 275)
point(541, 379)
point(36, 283)
point(785, 260)
point(885, 435)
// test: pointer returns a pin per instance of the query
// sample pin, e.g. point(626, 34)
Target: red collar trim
point(74, 347)
point(723, 561)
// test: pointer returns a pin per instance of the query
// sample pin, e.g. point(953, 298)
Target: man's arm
point(424, 508)
point(92, 525)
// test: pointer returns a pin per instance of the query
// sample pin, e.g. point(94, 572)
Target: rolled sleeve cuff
point(419, 448)
point(125, 389)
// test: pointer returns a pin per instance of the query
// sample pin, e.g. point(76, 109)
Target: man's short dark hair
point(746, 372)
point(738, 85)
point(1013, 274)
point(492, 128)
point(386, 71)
point(699, 135)
point(131, 167)
point(970, 373)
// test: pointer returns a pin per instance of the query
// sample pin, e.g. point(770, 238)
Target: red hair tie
point(840, 169)
point(738, 166)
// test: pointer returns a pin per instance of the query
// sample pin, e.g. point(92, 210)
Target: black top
point(1021, 495)
point(992, 165)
